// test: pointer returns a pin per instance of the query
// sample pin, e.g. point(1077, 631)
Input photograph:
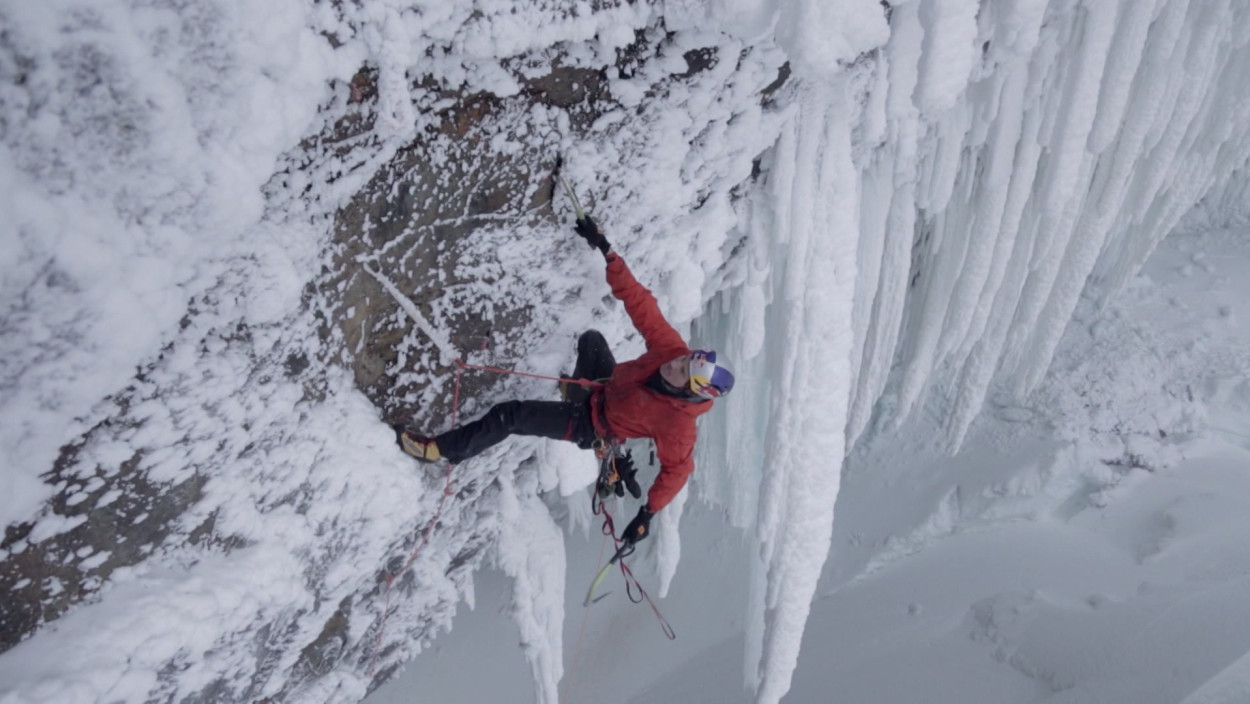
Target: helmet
point(707, 378)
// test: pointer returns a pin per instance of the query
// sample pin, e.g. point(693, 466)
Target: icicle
point(530, 550)
point(811, 393)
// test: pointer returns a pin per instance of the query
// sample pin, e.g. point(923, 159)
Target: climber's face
point(677, 371)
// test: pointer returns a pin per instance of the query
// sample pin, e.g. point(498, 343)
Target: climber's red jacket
point(625, 408)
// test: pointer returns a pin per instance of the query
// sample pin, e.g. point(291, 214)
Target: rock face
point(416, 220)
point(121, 520)
point(430, 219)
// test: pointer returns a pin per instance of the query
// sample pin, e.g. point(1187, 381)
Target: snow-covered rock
point(240, 242)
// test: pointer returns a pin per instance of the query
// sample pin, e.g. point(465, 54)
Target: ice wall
point(1007, 159)
point(997, 196)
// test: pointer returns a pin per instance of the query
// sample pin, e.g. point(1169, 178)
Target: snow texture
point(891, 248)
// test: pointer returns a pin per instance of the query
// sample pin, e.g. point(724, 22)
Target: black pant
point(559, 420)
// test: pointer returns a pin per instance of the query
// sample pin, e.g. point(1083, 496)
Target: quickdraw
point(608, 474)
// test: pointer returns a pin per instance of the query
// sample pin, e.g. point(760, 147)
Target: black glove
point(588, 230)
point(626, 470)
point(639, 528)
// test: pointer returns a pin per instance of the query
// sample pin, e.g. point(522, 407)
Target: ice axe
point(577, 205)
point(626, 549)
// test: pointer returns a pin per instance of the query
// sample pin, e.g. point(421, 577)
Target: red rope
point(581, 632)
point(628, 575)
point(425, 538)
point(587, 383)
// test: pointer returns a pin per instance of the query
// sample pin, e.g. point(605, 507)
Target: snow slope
point(903, 230)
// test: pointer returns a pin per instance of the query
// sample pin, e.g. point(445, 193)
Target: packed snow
point(923, 255)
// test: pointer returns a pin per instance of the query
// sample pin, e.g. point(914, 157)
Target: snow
point(134, 173)
point(440, 341)
point(984, 301)
point(808, 353)
point(157, 616)
point(820, 37)
point(530, 550)
point(1011, 571)
point(950, 31)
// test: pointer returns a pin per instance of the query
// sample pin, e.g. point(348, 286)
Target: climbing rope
point(631, 582)
point(581, 632)
point(425, 538)
point(587, 383)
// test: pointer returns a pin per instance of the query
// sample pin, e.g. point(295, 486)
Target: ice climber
point(658, 395)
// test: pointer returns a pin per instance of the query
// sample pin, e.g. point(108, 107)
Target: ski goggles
point(707, 378)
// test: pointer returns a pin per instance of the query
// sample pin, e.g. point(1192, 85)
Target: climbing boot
point(418, 446)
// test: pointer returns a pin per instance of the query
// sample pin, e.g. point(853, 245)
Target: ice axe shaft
point(624, 550)
point(577, 205)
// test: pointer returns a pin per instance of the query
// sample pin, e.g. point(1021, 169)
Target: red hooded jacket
point(625, 408)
